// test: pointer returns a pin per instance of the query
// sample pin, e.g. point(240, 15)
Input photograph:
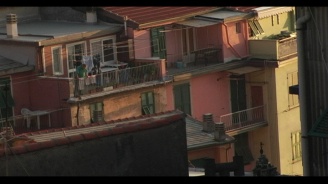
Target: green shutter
point(182, 98)
point(158, 42)
point(10, 99)
point(147, 102)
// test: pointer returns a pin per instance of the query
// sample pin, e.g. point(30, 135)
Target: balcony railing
point(111, 78)
point(196, 59)
point(243, 119)
point(273, 49)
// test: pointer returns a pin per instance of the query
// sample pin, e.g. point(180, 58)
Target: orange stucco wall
point(209, 94)
point(142, 44)
point(234, 44)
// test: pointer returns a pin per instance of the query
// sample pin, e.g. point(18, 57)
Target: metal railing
point(243, 118)
point(113, 78)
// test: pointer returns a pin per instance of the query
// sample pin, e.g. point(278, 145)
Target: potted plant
point(99, 89)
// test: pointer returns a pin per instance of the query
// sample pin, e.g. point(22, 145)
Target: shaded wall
point(139, 153)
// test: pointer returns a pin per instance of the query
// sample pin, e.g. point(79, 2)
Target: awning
point(264, 12)
point(225, 16)
point(319, 128)
point(243, 70)
point(196, 23)
point(10, 99)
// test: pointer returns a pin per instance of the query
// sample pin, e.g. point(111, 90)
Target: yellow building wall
point(285, 23)
point(282, 121)
point(288, 120)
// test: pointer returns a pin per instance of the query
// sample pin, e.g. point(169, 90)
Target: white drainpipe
point(300, 27)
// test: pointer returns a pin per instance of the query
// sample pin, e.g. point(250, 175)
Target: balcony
point(274, 49)
point(111, 78)
point(244, 121)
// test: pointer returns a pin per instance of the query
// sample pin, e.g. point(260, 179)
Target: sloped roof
point(197, 138)
point(150, 15)
point(62, 136)
point(8, 66)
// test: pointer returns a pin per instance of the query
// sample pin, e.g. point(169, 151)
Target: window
point(6, 82)
point(75, 52)
point(278, 19)
point(292, 80)
point(106, 48)
point(296, 146)
point(57, 63)
point(147, 103)
point(96, 112)
point(238, 27)
point(255, 28)
point(158, 42)
point(272, 20)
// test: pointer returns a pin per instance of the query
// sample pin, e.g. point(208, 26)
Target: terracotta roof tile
point(55, 137)
point(148, 14)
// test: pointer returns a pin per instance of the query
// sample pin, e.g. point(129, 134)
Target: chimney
point(219, 134)
point(11, 25)
point(91, 14)
point(208, 123)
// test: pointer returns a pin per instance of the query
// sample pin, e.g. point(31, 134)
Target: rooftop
point(46, 30)
point(144, 15)
point(56, 137)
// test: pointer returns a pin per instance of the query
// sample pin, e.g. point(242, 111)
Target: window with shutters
point(158, 42)
point(182, 101)
point(6, 102)
point(292, 80)
point(97, 106)
point(57, 62)
point(255, 28)
point(296, 146)
point(147, 103)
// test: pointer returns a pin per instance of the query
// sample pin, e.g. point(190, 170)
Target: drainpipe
point(226, 28)
point(125, 25)
point(300, 28)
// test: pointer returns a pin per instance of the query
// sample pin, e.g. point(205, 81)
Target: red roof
point(67, 135)
point(154, 14)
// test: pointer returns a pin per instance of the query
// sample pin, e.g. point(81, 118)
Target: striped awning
point(263, 12)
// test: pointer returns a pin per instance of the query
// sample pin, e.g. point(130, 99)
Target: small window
point(272, 20)
point(96, 112)
point(296, 146)
point(57, 63)
point(147, 103)
point(278, 19)
point(292, 80)
point(238, 27)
